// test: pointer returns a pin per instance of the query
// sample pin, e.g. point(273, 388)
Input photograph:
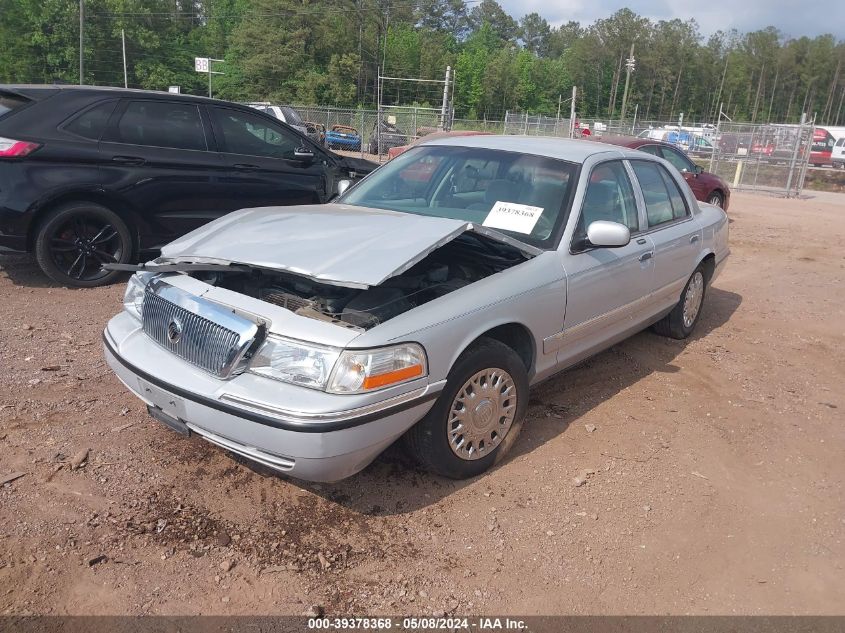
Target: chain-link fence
point(761, 157)
point(357, 132)
point(772, 158)
point(534, 124)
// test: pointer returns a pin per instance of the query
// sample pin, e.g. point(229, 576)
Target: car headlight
point(341, 372)
point(133, 298)
point(302, 364)
point(358, 371)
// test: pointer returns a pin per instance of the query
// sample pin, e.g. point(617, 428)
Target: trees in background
point(329, 52)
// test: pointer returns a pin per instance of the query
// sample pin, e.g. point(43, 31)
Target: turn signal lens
point(358, 371)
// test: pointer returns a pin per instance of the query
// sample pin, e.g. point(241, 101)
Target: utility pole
point(123, 41)
point(559, 103)
point(630, 65)
point(572, 112)
point(444, 110)
point(81, 40)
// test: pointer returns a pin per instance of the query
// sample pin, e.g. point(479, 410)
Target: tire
point(675, 324)
point(76, 238)
point(429, 440)
point(716, 198)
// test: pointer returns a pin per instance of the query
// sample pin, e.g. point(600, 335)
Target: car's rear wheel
point(76, 239)
point(680, 322)
point(717, 199)
point(478, 415)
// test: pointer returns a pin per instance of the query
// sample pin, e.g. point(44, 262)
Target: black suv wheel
point(76, 239)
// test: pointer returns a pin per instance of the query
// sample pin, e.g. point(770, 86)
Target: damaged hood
point(336, 244)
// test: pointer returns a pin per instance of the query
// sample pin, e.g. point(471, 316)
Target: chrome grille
point(196, 330)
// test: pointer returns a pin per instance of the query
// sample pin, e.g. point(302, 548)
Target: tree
point(490, 12)
point(534, 32)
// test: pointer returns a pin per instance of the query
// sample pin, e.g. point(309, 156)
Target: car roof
point(632, 142)
point(573, 150)
point(111, 90)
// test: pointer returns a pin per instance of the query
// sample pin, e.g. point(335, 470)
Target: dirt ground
point(718, 483)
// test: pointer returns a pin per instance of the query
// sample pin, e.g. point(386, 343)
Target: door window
point(162, 124)
point(654, 150)
point(678, 160)
point(663, 199)
point(245, 133)
point(609, 196)
point(91, 123)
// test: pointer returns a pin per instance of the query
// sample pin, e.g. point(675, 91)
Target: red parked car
point(705, 186)
point(393, 152)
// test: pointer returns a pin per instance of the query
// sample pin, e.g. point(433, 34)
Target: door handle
point(245, 167)
point(646, 256)
point(693, 239)
point(128, 160)
point(641, 241)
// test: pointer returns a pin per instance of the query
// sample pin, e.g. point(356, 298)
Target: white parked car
point(285, 114)
point(424, 303)
point(837, 154)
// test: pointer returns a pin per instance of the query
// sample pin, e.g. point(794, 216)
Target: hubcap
point(692, 299)
point(80, 246)
point(481, 414)
point(716, 200)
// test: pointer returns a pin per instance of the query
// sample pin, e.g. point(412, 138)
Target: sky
point(793, 17)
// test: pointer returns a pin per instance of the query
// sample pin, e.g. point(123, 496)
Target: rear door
point(672, 229)
point(156, 154)
point(262, 167)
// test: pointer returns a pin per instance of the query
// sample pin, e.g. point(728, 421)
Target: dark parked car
point(705, 186)
point(90, 176)
point(391, 136)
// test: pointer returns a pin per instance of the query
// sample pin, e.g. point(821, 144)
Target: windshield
point(522, 195)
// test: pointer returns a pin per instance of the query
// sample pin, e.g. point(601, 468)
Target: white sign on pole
point(201, 64)
point(174, 89)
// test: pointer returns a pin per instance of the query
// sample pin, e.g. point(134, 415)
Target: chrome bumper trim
point(335, 416)
point(277, 462)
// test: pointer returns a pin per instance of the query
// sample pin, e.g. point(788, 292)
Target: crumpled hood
point(333, 243)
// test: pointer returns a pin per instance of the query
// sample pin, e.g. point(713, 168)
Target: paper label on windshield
point(510, 216)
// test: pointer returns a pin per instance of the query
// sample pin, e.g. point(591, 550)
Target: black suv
point(91, 175)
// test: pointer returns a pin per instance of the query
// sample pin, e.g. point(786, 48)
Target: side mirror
point(699, 169)
point(605, 234)
point(342, 186)
point(304, 154)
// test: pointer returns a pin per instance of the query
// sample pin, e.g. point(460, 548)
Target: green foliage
point(329, 52)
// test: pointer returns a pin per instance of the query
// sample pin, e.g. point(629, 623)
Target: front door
point(263, 168)
point(606, 287)
point(687, 168)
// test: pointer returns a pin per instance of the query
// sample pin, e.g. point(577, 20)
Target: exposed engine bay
point(466, 259)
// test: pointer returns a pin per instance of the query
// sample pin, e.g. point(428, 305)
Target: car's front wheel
point(680, 322)
point(478, 415)
point(76, 239)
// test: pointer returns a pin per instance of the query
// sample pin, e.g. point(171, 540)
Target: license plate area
point(170, 405)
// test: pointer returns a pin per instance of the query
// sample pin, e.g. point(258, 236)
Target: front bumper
point(311, 445)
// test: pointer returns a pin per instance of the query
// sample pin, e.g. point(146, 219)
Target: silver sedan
point(422, 304)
